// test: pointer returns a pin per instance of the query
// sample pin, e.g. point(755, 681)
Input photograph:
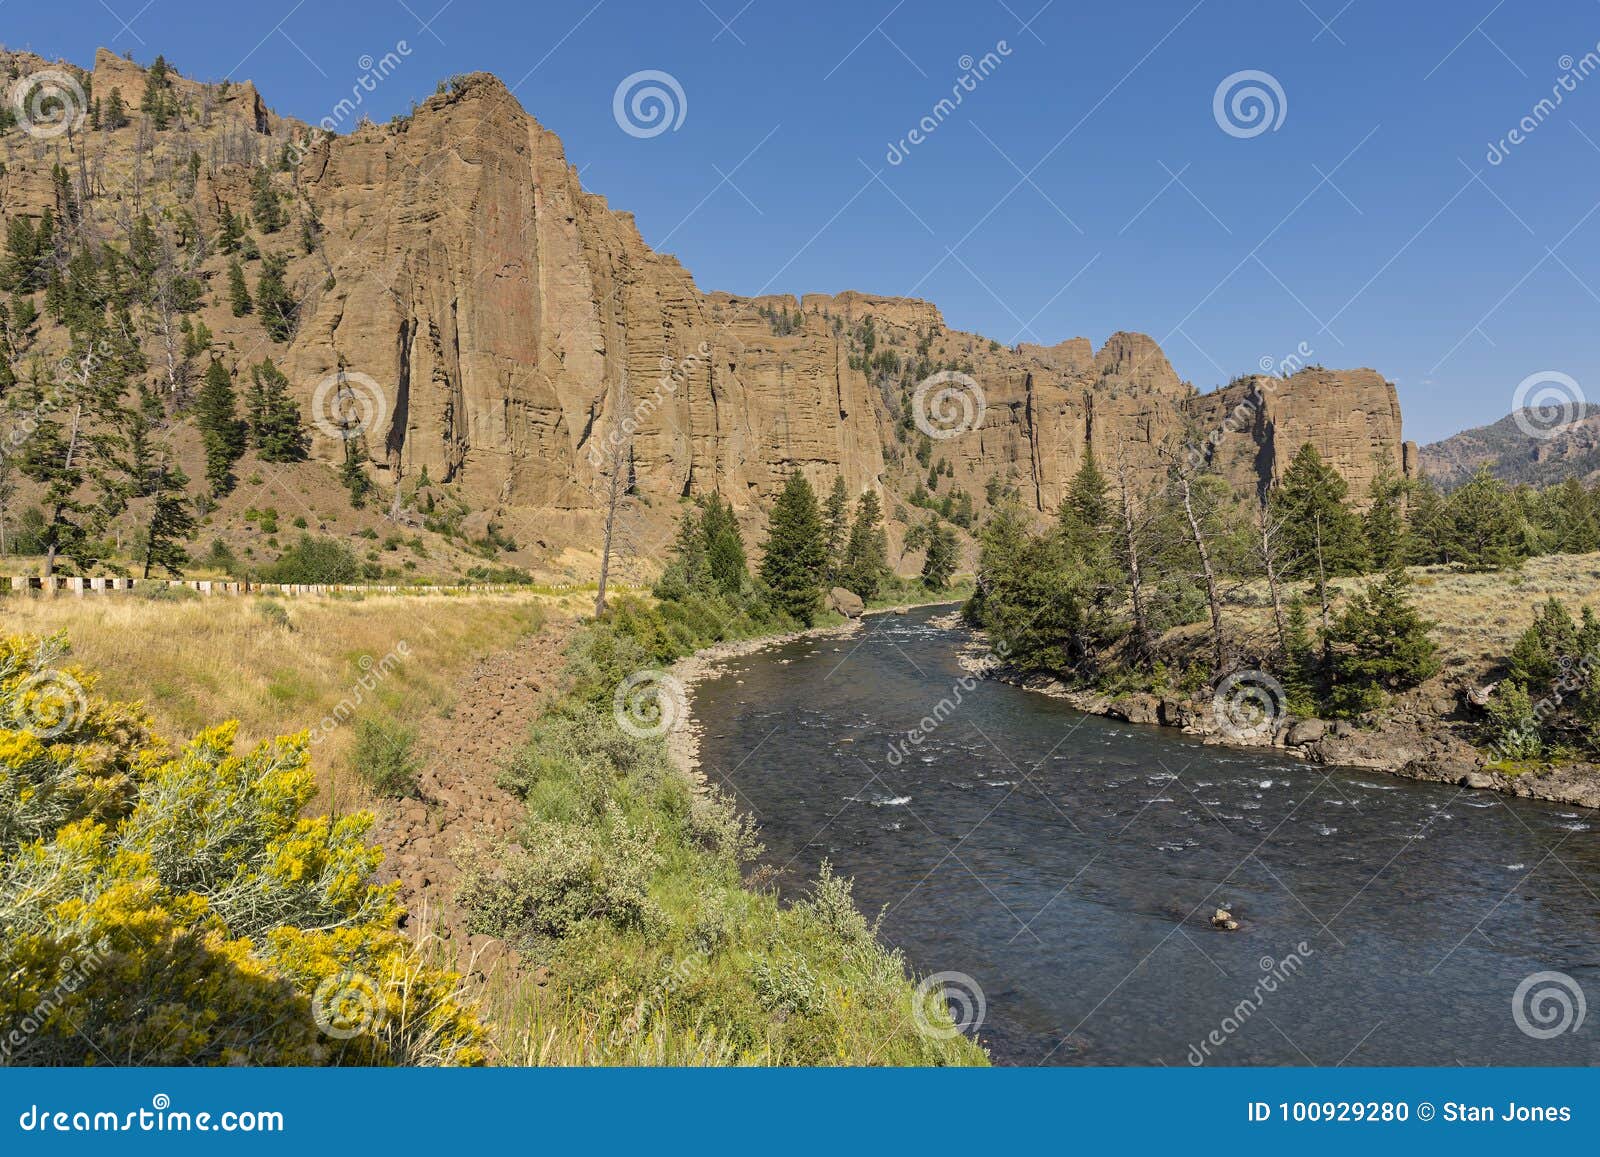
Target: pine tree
point(940, 564)
point(1427, 524)
point(238, 291)
point(1299, 661)
point(1379, 644)
point(221, 431)
point(1086, 510)
point(1484, 528)
point(172, 521)
point(264, 203)
point(156, 102)
point(836, 521)
point(1383, 521)
point(276, 430)
point(230, 231)
point(273, 298)
point(1568, 510)
point(793, 555)
point(723, 546)
point(866, 556)
point(1322, 535)
point(116, 111)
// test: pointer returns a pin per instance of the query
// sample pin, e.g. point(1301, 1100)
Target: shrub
point(314, 560)
point(384, 755)
point(176, 907)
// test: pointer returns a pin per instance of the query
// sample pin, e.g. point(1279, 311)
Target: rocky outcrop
point(513, 325)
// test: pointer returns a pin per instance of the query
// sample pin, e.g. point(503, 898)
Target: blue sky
point(1083, 186)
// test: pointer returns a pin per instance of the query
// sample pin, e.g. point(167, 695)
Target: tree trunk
point(1212, 595)
point(1141, 623)
point(1269, 563)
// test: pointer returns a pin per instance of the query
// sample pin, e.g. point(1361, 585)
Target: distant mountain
point(1513, 454)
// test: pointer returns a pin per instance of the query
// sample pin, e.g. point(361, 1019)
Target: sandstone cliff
point(513, 323)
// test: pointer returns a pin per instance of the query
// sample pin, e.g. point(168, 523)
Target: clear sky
point(1083, 185)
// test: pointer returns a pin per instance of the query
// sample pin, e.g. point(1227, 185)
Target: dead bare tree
point(1130, 528)
point(1267, 551)
point(1213, 595)
point(616, 459)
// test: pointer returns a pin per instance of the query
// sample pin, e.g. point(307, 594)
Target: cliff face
point(512, 324)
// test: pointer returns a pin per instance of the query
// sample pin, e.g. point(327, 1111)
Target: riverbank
point(683, 741)
point(1414, 738)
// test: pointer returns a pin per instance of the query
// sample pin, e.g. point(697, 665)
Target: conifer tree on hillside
point(939, 566)
point(1572, 515)
point(1484, 529)
point(1323, 535)
point(1384, 520)
point(723, 546)
point(793, 557)
point(273, 299)
point(221, 431)
point(238, 292)
point(866, 560)
point(1379, 644)
point(1427, 525)
point(1086, 510)
point(116, 115)
point(264, 204)
point(273, 417)
point(836, 524)
point(171, 521)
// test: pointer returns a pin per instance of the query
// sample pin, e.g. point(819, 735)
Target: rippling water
point(1070, 865)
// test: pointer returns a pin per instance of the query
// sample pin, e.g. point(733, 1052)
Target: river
point(1070, 865)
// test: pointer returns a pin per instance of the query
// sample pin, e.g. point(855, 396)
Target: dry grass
point(281, 665)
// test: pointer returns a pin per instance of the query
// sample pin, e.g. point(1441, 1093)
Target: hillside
point(1512, 453)
point(499, 329)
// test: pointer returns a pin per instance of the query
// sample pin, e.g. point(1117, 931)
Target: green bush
point(384, 755)
point(314, 560)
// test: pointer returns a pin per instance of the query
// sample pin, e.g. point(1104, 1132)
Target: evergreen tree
point(940, 564)
point(264, 204)
point(1379, 644)
point(1427, 527)
point(273, 298)
point(157, 103)
point(1086, 510)
point(230, 231)
point(221, 431)
point(276, 430)
point(1384, 522)
point(238, 291)
point(1547, 649)
point(836, 521)
point(1322, 535)
point(723, 546)
point(1569, 512)
point(1299, 661)
point(866, 556)
point(353, 473)
point(793, 557)
point(171, 524)
point(116, 111)
point(1484, 529)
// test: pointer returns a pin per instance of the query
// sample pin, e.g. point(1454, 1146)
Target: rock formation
point(517, 329)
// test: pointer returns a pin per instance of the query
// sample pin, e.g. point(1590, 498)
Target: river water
point(1070, 865)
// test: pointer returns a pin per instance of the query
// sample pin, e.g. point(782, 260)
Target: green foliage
point(239, 299)
point(223, 434)
point(1321, 535)
point(273, 417)
point(1379, 644)
point(314, 560)
point(1514, 726)
point(1383, 521)
point(866, 556)
point(1482, 529)
point(273, 299)
point(939, 565)
point(793, 555)
point(200, 915)
point(384, 755)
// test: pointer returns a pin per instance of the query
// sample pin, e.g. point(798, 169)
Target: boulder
point(846, 603)
point(1307, 731)
point(1223, 920)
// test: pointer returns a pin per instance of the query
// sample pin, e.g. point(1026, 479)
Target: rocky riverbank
point(1416, 737)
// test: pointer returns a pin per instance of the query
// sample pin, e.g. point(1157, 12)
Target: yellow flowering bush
point(175, 907)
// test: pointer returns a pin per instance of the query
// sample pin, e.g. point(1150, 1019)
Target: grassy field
point(282, 665)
